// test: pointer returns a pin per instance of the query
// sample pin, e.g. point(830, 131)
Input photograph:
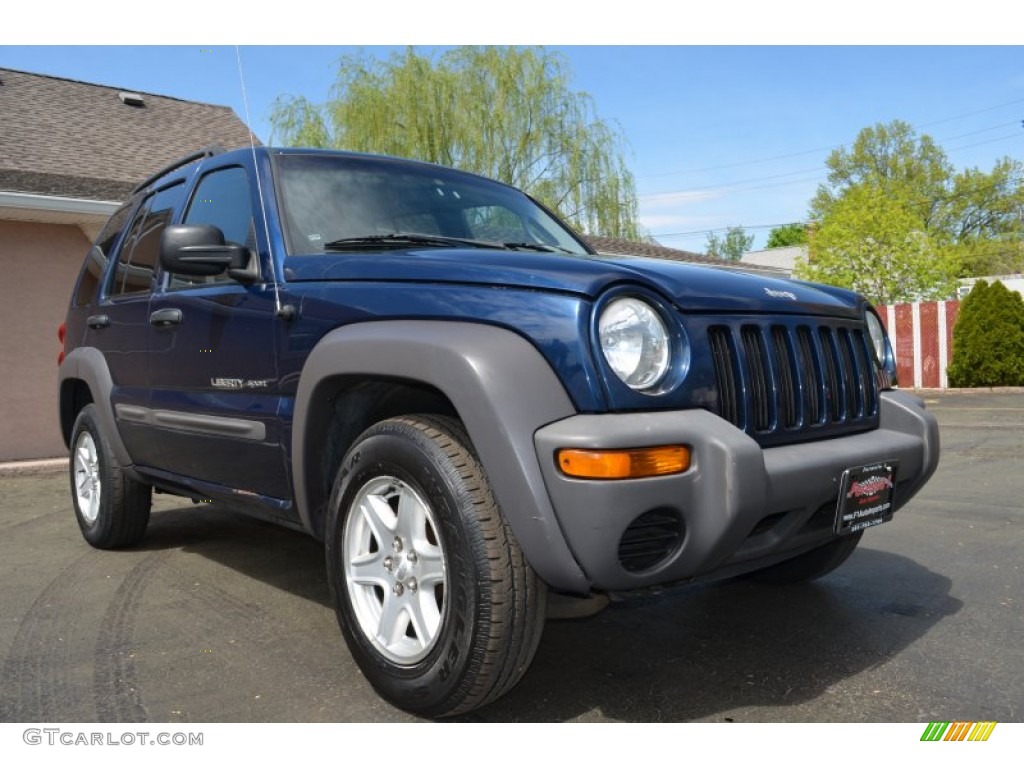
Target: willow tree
point(503, 112)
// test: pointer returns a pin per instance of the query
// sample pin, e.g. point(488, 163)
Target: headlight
point(634, 342)
point(878, 337)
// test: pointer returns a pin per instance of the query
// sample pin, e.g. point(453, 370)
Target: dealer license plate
point(865, 497)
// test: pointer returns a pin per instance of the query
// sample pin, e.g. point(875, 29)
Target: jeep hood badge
point(780, 294)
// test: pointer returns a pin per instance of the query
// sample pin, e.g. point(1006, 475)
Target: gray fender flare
point(503, 391)
point(89, 365)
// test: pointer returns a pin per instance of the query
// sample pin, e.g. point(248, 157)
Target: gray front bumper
point(731, 488)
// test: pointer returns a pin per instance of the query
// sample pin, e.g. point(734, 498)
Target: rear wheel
point(112, 508)
point(433, 595)
point(810, 565)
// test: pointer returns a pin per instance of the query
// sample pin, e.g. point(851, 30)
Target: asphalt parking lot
point(219, 618)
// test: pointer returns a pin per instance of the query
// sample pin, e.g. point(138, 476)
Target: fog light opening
point(651, 540)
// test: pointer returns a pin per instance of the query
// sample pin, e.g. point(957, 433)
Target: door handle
point(166, 317)
point(97, 321)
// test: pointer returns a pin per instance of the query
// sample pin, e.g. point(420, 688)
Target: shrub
point(988, 340)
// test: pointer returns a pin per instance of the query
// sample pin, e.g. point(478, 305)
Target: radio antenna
point(282, 312)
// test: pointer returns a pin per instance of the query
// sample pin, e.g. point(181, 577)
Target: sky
point(716, 135)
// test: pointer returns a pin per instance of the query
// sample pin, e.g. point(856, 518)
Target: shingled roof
point(621, 247)
point(618, 246)
point(73, 139)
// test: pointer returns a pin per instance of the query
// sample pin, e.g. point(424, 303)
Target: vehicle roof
point(247, 152)
point(376, 156)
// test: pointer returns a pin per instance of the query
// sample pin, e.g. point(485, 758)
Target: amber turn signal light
point(624, 463)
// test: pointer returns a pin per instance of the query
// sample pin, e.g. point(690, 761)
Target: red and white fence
point(922, 337)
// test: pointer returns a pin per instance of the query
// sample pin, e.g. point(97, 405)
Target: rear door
point(213, 366)
point(120, 326)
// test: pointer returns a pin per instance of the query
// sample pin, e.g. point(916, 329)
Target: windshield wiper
point(535, 247)
point(399, 239)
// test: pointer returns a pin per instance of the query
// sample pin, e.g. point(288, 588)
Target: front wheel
point(440, 609)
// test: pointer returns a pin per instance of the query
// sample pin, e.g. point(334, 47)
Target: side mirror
point(200, 250)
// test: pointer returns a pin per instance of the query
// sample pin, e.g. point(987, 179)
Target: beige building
point(780, 260)
point(70, 152)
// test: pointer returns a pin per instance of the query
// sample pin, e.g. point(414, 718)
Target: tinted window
point(327, 197)
point(137, 262)
point(222, 198)
point(98, 256)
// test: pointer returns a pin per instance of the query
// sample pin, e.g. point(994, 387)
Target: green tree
point(967, 222)
point(871, 243)
point(984, 217)
point(787, 235)
point(988, 340)
point(731, 247)
point(504, 112)
point(893, 160)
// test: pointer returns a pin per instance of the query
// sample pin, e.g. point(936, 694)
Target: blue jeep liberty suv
point(430, 373)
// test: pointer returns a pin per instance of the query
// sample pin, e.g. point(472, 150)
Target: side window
point(222, 198)
point(137, 262)
point(96, 261)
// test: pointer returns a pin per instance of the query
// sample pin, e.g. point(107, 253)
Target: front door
point(213, 370)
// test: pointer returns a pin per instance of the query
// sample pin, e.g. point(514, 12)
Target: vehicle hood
point(690, 287)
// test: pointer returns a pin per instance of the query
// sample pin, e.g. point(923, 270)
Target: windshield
point(335, 202)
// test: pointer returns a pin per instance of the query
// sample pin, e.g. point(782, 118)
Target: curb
point(967, 390)
point(34, 467)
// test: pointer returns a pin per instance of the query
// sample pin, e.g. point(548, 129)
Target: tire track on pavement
point(35, 684)
point(70, 659)
point(231, 656)
point(116, 689)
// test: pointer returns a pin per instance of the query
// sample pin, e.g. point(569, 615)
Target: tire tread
point(124, 502)
point(510, 599)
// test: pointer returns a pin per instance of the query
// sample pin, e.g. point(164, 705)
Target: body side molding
point(197, 423)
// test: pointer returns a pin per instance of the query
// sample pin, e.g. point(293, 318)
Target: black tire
point(810, 565)
point(118, 518)
point(451, 647)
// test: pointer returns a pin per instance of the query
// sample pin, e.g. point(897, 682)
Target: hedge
point(988, 340)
